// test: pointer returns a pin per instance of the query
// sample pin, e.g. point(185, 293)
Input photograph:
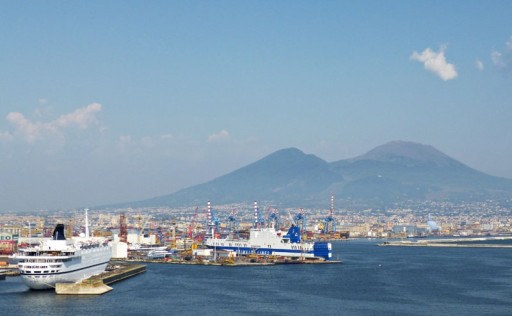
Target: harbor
point(7, 269)
point(266, 242)
point(371, 281)
point(97, 284)
point(238, 261)
point(87, 265)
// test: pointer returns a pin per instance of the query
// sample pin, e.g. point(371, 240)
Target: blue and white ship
point(269, 241)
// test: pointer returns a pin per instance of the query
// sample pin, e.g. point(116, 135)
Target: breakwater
point(99, 284)
point(478, 242)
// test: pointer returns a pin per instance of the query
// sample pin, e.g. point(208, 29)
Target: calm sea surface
point(371, 281)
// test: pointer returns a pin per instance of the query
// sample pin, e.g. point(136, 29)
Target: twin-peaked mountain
point(392, 173)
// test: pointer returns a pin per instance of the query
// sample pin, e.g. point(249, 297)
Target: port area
point(227, 259)
point(452, 242)
point(99, 284)
point(7, 269)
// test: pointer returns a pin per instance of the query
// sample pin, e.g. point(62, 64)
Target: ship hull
point(268, 252)
point(48, 281)
point(38, 274)
point(266, 241)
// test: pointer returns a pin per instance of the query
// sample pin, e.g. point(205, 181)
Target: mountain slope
point(392, 173)
point(283, 176)
point(404, 170)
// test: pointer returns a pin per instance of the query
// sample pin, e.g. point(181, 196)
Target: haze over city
point(105, 102)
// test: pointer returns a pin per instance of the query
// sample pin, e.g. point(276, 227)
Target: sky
point(114, 101)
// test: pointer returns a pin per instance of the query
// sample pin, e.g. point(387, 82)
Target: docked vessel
point(269, 241)
point(62, 260)
point(158, 254)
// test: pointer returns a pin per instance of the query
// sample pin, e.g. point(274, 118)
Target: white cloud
point(42, 112)
point(503, 60)
point(220, 136)
point(125, 139)
point(81, 117)
point(166, 136)
point(496, 59)
point(436, 63)
point(5, 136)
point(479, 65)
point(125, 142)
point(31, 131)
point(148, 141)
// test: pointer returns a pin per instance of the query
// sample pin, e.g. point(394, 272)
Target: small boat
point(158, 254)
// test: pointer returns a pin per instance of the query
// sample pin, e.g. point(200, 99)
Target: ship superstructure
point(61, 260)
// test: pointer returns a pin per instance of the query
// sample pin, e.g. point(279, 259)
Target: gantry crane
point(330, 221)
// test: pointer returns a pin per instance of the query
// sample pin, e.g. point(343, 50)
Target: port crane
point(258, 219)
point(173, 233)
point(212, 222)
point(330, 221)
point(141, 230)
point(233, 224)
point(191, 226)
point(300, 220)
point(123, 228)
point(273, 218)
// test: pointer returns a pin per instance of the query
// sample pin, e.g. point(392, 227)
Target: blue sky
point(113, 101)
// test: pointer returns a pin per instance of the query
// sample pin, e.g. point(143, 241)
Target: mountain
point(283, 176)
point(399, 171)
point(392, 173)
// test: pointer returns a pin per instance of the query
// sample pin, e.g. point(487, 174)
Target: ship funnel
point(86, 224)
point(58, 232)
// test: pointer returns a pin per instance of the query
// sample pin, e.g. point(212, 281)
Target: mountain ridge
point(388, 174)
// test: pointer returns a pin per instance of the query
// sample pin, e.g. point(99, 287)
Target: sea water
point(372, 280)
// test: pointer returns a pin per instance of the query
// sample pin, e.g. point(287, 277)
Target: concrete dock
point(83, 288)
point(240, 261)
point(11, 270)
point(98, 284)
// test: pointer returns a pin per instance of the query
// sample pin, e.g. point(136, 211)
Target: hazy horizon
point(106, 102)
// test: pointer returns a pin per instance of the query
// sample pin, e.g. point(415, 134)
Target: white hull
point(43, 269)
point(268, 241)
point(44, 282)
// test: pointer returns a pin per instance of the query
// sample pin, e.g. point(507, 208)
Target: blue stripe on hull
point(322, 251)
point(262, 251)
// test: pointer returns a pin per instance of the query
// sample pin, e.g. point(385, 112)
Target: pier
point(11, 270)
point(239, 261)
point(451, 242)
point(99, 284)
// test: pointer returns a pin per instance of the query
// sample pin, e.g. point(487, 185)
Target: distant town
point(171, 226)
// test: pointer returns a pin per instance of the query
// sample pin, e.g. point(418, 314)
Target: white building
point(119, 250)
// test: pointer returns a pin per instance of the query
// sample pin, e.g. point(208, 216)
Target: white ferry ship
point(62, 260)
point(268, 241)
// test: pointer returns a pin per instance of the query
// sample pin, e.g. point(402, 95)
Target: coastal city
point(255, 158)
point(77, 255)
point(177, 226)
